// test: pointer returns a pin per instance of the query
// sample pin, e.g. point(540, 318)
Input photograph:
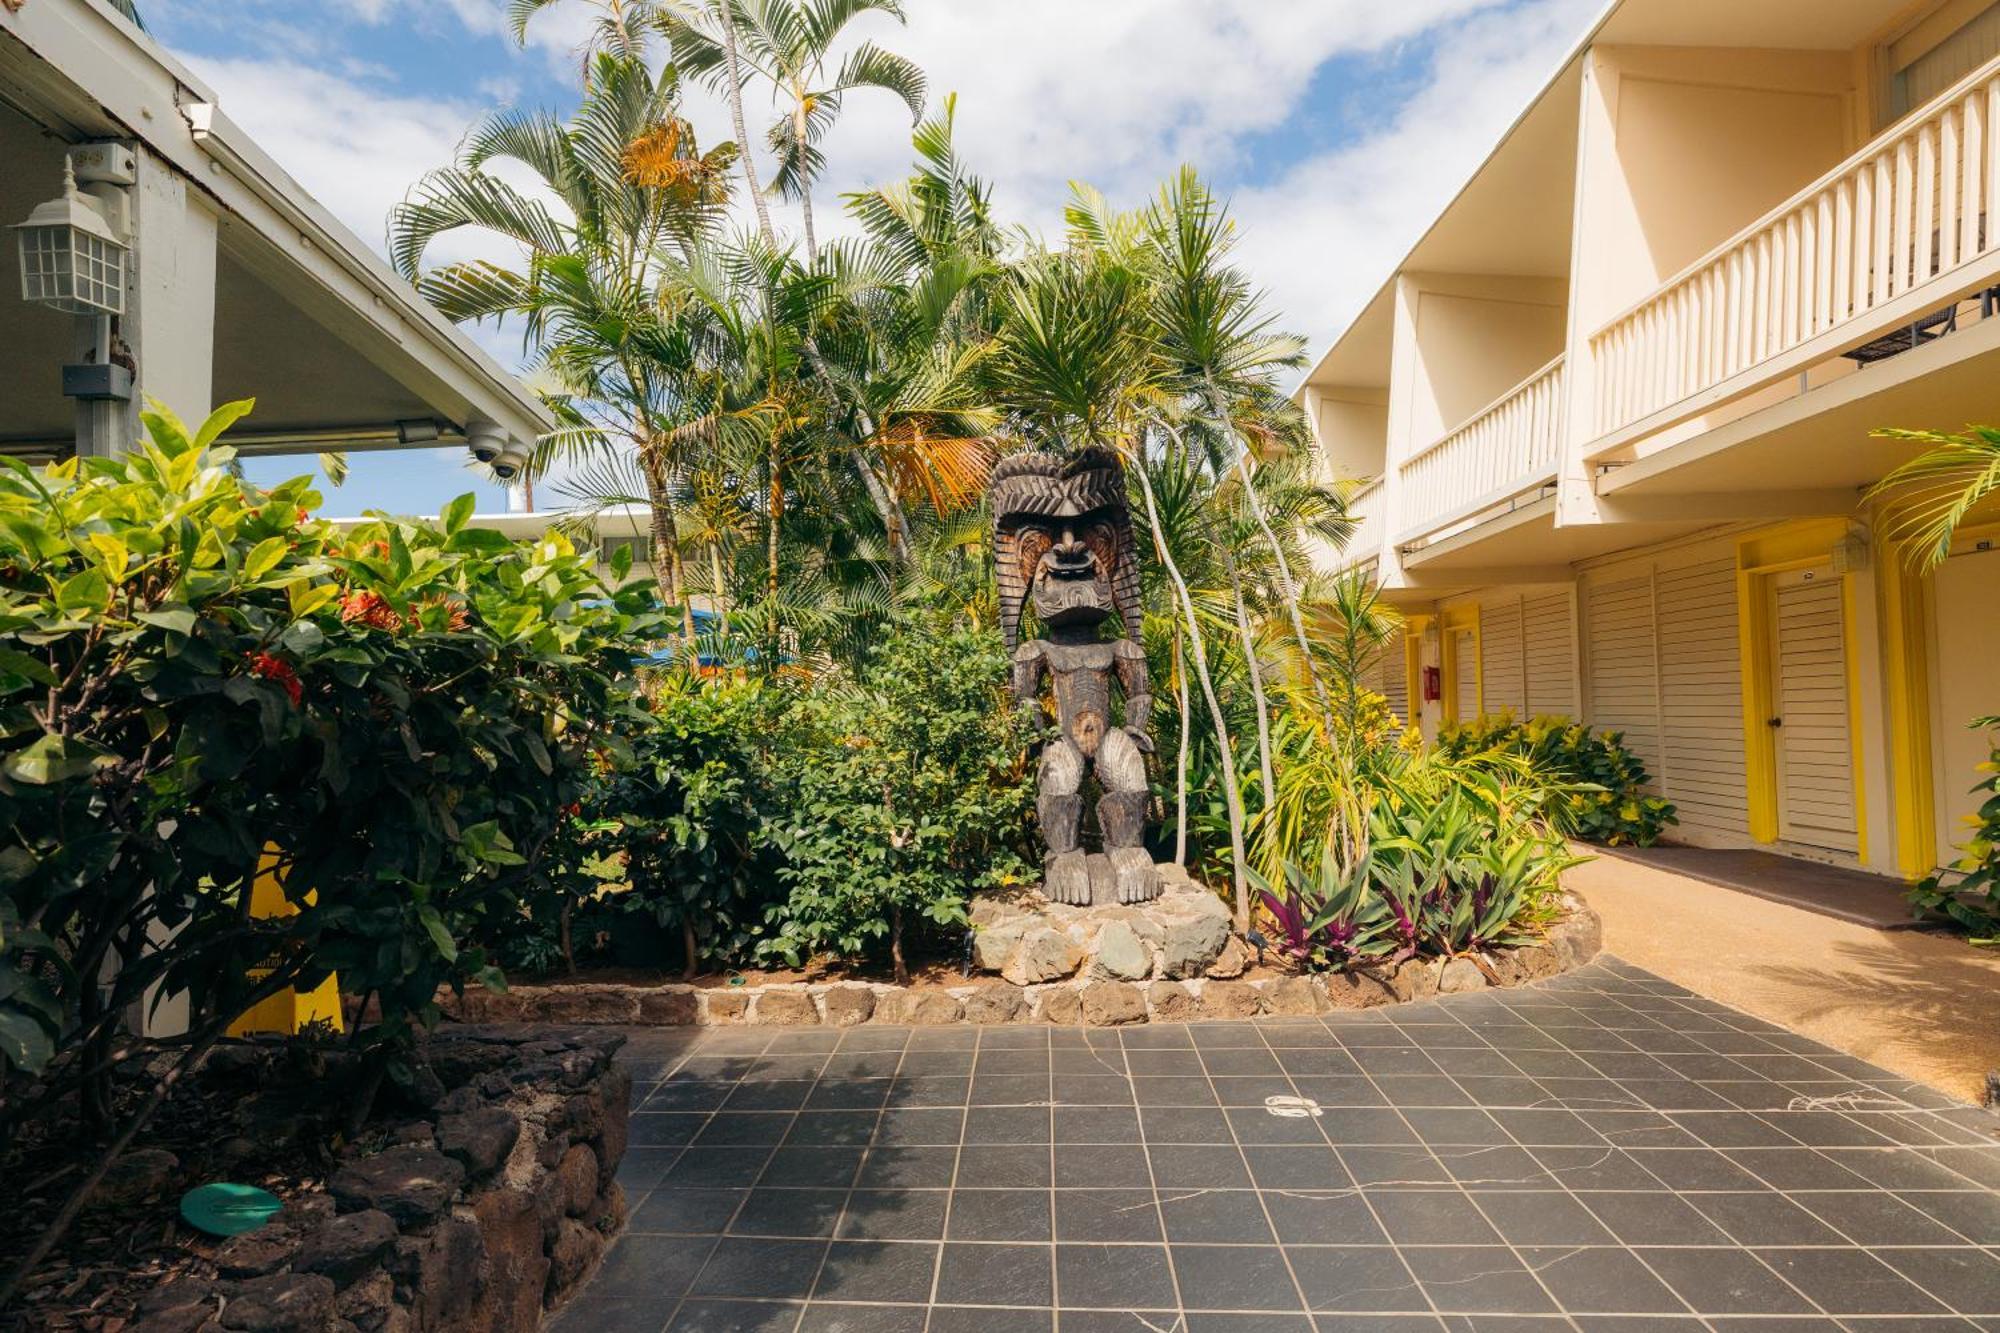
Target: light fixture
point(71, 258)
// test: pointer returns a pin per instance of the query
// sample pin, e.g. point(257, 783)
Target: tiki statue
point(1063, 545)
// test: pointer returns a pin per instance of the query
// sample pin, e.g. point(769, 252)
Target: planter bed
point(480, 1196)
point(1222, 991)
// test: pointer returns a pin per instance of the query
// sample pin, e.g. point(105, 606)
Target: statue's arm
point(1138, 686)
point(1028, 667)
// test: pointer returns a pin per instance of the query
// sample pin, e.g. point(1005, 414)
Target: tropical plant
point(203, 686)
point(634, 193)
point(1969, 895)
point(788, 44)
point(1599, 785)
point(1931, 496)
point(903, 795)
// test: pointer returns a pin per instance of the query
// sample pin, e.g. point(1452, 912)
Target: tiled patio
point(1603, 1152)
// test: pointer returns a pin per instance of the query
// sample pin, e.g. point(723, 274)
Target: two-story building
point(1611, 418)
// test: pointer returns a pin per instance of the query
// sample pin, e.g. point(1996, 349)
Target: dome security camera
point(491, 445)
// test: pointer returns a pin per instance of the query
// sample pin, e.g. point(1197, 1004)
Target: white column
point(170, 307)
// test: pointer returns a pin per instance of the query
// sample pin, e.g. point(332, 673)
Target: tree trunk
point(693, 948)
point(568, 941)
point(666, 538)
point(1232, 798)
point(888, 506)
point(726, 11)
point(902, 967)
point(1181, 763)
point(1264, 769)
point(805, 179)
point(774, 517)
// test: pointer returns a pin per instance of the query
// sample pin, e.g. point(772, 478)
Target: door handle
point(1775, 722)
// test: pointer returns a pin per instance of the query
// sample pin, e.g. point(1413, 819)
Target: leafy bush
point(1600, 785)
point(692, 816)
point(1458, 859)
point(901, 793)
point(196, 676)
point(1972, 901)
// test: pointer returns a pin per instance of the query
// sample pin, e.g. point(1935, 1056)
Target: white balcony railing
point(1513, 446)
point(1365, 507)
point(1905, 226)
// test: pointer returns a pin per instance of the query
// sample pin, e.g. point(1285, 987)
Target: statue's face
point(1067, 564)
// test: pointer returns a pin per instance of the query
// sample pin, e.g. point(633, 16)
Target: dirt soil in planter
point(131, 1238)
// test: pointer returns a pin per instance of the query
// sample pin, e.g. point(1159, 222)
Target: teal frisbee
point(223, 1208)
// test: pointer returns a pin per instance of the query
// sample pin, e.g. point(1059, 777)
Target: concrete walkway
point(1922, 1005)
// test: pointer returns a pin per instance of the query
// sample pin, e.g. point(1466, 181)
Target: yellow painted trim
point(290, 1010)
point(1903, 605)
point(1455, 619)
point(1850, 647)
point(1760, 747)
point(1413, 677)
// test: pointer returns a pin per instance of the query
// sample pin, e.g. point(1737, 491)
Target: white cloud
point(1115, 92)
point(1325, 236)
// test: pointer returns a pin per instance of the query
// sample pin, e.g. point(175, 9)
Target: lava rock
point(847, 1006)
point(1228, 999)
point(996, 1003)
point(1295, 996)
point(918, 1008)
point(411, 1185)
point(785, 1008)
point(577, 1173)
point(348, 1246)
point(1233, 961)
point(1170, 1002)
point(1121, 955)
point(257, 1253)
point(179, 1307)
point(1061, 1004)
point(1459, 976)
point(1111, 1003)
point(280, 1303)
point(669, 1007)
point(517, 1268)
point(136, 1177)
point(1043, 955)
point(480, 1140)
point(724, 1006)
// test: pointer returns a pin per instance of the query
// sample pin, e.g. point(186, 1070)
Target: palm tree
point(1930, 497)
point(788, 43)
point(627, 189)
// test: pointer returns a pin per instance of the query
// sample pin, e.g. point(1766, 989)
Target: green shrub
point(193, 669)
point(900, 794)
point(1972, 901)
point(1459, 858)
point(1600, 785)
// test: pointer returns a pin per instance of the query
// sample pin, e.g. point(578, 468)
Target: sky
point(1337, 128)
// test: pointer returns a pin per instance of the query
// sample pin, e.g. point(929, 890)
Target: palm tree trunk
point(666, 537)
point(1231, 797)
point(726, 11)
point(775, 517)
point(883, 497)
point(1250, 659)
point(1181, 762)
point(805, 179)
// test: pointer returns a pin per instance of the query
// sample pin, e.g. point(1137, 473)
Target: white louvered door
point(1622, 664)
point(1548, 654)
point(1392, 681)
point(1465, 659)
point(1815, 755)
point(1502, 678)
point(1701, 700)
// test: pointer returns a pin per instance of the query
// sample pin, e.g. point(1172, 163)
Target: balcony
point(1870, 258)
point(1511, 448)
point(1366, 507)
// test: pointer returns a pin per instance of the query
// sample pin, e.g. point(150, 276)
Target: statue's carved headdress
point(1034, 495)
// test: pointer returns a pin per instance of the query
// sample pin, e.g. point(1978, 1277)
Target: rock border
point(478, 1215)
point(1574, 940)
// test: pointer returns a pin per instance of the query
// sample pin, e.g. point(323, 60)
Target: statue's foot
point(1066, 879)
point(1138, 882)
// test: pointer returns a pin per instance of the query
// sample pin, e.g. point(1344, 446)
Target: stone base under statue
point(1182, 933)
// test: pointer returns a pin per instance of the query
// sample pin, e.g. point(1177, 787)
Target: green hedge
point(1599, 785)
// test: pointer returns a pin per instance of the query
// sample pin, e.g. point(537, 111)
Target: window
point(640, 547)
point(1939, 51)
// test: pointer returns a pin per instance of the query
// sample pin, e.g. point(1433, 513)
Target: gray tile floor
point(1602, 1152)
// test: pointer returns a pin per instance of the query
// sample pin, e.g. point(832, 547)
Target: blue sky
point(1337, 126)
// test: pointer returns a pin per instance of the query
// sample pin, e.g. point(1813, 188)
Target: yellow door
point(1967, 663)
point(1815, 755)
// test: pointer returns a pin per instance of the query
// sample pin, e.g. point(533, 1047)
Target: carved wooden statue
point(1063, 544)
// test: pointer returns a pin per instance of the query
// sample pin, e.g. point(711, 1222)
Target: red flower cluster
point(274, 668)
point(369, 608)
point(456, 617)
